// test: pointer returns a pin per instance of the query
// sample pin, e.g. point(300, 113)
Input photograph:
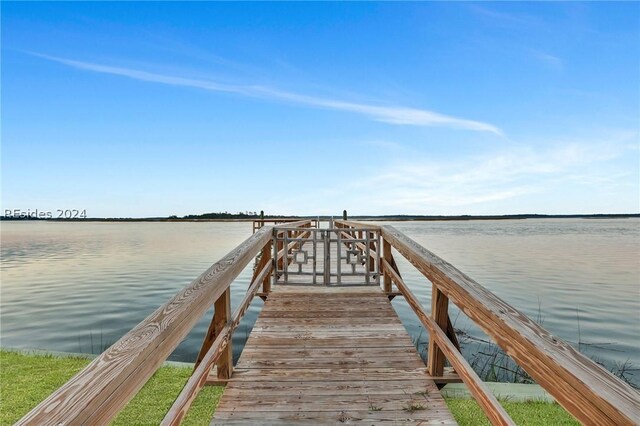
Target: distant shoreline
point(386, 218)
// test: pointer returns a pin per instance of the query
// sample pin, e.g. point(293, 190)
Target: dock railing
point(97, 393)
point(585, 389)
point(259, 223)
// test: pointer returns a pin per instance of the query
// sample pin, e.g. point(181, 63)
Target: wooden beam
point(485, 398)
point(448, 376)
point(98, 392)
point(582, 387)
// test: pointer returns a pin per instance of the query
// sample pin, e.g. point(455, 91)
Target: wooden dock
point(328, 347)
point(323, 355)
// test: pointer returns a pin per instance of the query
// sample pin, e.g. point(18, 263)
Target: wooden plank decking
point(330, 355)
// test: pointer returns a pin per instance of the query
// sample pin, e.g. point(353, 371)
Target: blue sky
point(152, 109)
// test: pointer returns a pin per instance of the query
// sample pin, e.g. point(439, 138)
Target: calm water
point(78, 287)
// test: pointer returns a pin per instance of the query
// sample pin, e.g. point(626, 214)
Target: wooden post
point(221, 316)
point(261, 214)
point(265, 257)
point(440, 314)
point(266, 253)
point(372, 247)
point(344, 215)
point(280, 245)
point(386, 253)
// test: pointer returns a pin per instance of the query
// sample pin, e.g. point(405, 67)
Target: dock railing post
point(386, 253)
point(266, 253)
point(440, 314)
point(221, 318)
point(279, 247)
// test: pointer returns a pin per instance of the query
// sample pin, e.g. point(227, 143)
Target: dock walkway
point(330, 354)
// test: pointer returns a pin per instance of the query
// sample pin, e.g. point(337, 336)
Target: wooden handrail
point(298, 224)
point(582, 387)
point(259, 223)
point(352, 224)
point(197, 380)
point(495, 412)
point(98, 392)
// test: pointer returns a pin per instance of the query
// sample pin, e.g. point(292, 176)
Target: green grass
point(468, 412)
point(25, 380)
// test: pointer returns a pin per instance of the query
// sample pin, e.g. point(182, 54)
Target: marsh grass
point(492, 364)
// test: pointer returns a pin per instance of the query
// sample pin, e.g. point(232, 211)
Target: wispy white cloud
point(476, 183)
point(499, 15)
point(549, 60)
point(397, 115)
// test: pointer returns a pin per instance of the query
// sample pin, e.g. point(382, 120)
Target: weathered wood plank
point(324, 403)
point(423, 417)
point(335, 388)
point(291, 327)
point(323, 363)
point(341, 416)
point(343, 322)
point(332, 289)
point(297, 352)
point(357, 313)
point(328, 342)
